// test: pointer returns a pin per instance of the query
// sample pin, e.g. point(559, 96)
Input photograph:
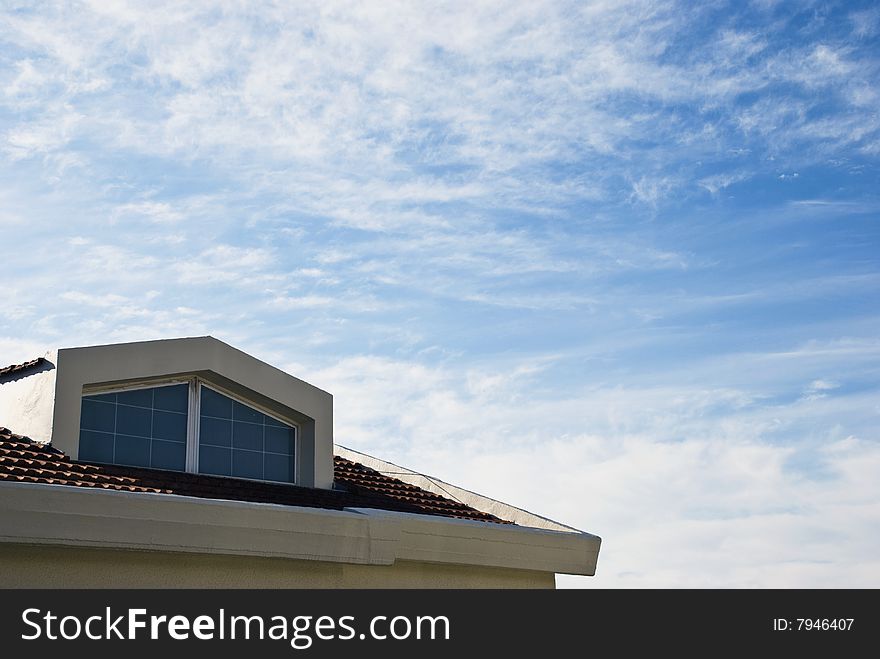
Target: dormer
point(195, 405)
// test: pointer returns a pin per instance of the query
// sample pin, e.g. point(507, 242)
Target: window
point(237, 440)
point(140, 427)
point(149, 427)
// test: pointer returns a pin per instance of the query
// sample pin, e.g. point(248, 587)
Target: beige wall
point(46, 566)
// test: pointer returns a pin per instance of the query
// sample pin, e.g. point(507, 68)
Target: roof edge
point(37, 513)
point(474, 500)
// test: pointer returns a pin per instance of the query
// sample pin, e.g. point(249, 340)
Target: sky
point(613, 262)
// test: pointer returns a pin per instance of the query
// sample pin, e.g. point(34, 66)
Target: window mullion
point(192, 430)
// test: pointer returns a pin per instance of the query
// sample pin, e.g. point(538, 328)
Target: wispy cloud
point(376, 100)
point(819, 389)
point(674, 465)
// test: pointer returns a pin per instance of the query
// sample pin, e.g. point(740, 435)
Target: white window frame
point(193, 417)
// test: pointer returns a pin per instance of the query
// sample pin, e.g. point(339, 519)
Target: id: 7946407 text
point(813, 624)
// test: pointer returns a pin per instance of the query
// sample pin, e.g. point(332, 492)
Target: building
point(188, 463)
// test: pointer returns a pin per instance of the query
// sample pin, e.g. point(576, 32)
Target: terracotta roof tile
point(20, 368)
point(356, 486)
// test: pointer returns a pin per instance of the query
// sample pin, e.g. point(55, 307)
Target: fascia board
point(432, 539)
point(36, 513)
point(66, 515)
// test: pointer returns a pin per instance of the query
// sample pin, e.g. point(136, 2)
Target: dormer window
point(186, 426)
point(193, 404)
point(237, 440)
point(141, 427)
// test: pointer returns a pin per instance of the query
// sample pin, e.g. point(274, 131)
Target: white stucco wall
point(27, 400)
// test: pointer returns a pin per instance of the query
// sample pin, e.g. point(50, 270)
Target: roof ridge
point(17, 368)
point(6, 435)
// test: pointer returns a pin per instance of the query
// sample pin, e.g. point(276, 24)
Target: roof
point(20, 368)
point(355, 486)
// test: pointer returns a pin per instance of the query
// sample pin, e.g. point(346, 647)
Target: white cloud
point(42, 137)
point(302, 302)
point(687, 486)
point(866, 23)
point(819, 389)
point(718, 182)
point(224, 264)
point(359, 99)
point(108, 300)
point(17, 351)
point(155, 211)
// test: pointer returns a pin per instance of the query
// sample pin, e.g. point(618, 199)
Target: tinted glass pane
point(136, 427)
point(136, 397)
point(97, 415)
point(172, 399)
point(107, 398)
point(214, 404)
point(169, 425)
point(95, 446)
point(247, 464)
point(213, 460)
point(168, 455)
point(134, 421)
point(274, 422)
point(134, 451)
point(247, 435)
point(278, 467)
point(242, 412)
point(215, 432)
point(280, 440)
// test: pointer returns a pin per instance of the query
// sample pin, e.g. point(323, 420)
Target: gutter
point(38, 513)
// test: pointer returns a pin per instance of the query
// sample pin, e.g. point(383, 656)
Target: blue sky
point(614, 262)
